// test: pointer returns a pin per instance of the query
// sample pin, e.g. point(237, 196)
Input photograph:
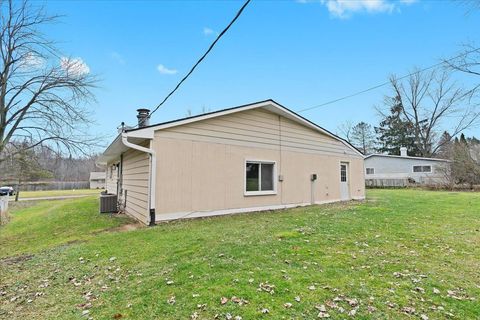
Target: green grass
point(47, 224)
point(56, 193)
point(388, 254)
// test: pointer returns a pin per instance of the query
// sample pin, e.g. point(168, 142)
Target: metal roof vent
point(143, 117)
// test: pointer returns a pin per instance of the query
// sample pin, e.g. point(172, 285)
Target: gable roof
point(406, 158)
point(269, 104)
point(147, 132)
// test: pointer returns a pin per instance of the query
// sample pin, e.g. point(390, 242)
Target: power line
point(387, 82)
point(202, 57)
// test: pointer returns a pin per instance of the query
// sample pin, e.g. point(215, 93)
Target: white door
point(344, 182)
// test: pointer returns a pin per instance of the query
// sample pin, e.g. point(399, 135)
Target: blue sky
point(300, 53)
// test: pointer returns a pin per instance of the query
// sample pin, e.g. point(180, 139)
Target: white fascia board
point(146, 133)
point(117, 147)
point(407, 157)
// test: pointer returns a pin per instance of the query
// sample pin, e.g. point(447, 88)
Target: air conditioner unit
point(108, 203)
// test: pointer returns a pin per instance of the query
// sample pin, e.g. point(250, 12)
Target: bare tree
point(42, 93)
point(345, 129)
point(432, 102)
point(468, 61)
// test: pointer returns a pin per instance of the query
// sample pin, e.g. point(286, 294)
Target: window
point(370, 171)
point(259, 177)
point(422, 168)
point(343, 173)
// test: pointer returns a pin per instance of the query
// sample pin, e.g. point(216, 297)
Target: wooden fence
point(49, 185)
point(387, 183)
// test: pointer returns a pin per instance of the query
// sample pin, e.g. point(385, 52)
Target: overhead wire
point(220, 35)
point(387, 82)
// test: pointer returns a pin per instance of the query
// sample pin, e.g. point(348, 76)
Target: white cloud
point(164, 70)
point(345, 8)
point(118, 57)
point(207, 31)
point(74, 66)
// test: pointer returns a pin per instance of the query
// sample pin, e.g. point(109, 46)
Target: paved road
point(52, 198)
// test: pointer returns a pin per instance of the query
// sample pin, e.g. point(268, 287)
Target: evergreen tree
point(473, 141)
point(445, 146)
point(395, 132)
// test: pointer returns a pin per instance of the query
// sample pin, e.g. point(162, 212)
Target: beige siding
point(258, 128)
point(135, 181)
point(200, 166)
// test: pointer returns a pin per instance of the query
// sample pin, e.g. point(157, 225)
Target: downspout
point(152, 177)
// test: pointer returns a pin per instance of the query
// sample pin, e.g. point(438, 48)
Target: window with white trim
point(259, 177)
point(370, 170)
point(422, 168)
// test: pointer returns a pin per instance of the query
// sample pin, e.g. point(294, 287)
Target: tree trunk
point(17, 193)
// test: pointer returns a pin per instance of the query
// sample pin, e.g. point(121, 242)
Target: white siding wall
point(97, 184)
point(111, 180)
point(402, 168)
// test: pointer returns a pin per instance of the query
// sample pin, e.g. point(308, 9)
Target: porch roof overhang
point(116, 148)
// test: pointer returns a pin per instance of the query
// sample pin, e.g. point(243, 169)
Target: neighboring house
point(383, 170)
point(97, 180)
point(254, 157)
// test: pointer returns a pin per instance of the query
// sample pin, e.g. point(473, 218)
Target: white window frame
point(366, 171)
point(420, 165)
point(259, 193)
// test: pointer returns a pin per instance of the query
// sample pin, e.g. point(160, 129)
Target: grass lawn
point(402, 254)
point(55, 193)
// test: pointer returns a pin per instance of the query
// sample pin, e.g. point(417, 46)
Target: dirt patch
point(128, 227)
point(123, 228)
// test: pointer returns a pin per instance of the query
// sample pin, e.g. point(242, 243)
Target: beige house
point(260, 156)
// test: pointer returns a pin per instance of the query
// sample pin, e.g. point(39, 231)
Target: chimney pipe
point(143, 117)
point(403, 152)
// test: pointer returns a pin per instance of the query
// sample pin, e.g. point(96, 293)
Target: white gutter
point(152, 176)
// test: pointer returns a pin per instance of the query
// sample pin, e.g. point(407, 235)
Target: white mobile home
point(383, 170)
